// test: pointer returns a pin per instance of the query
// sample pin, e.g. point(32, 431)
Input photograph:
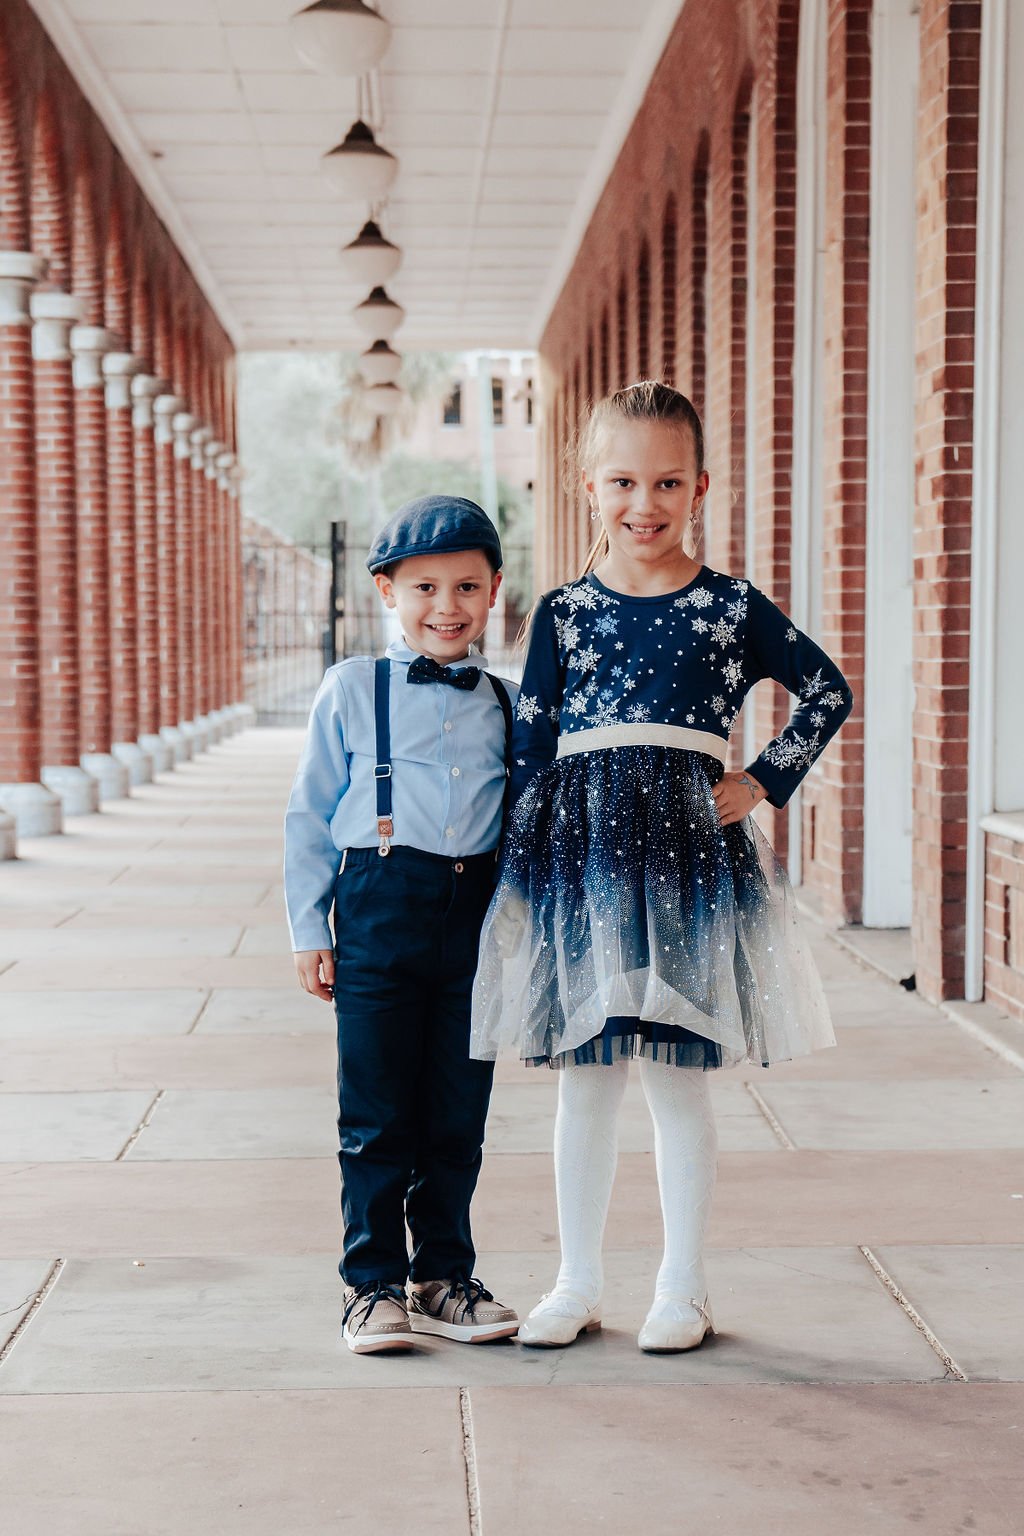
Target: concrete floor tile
point(154, 914)
point(152, 1324)
point(234, 1464)
point(255, 1011)
point(889, 1460)
point(58, 1127)
point(522, 1115)
point(91, 973)
point(62, 948)
point(134, 897)
point(271, 1122)
point(265, 939)
point(20, 1279)
point(900, 1116)
point(873, 1052)
point(74, 1015)
point(180, 1061)
point(970, 1296)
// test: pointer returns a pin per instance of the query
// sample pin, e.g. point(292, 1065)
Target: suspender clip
point(385, 831)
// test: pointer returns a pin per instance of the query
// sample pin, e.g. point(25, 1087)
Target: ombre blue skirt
point(627, 921)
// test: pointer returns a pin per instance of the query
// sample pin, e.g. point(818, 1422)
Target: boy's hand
point(735, 796)
point(315, 970)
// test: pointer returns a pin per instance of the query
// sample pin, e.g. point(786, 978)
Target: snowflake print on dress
point(585, 660)
point(791, 751)
point(577, 705)
point(700, 597)
point(567, 633)
point(527, 709)
point(718, 703)
point(605, 624)
point(832, 699)
point(740, 585)
point(736, 611)
point(818, 718)
point(637, 713)
point(722, 633)
point(812, 685)
point(701, 626)
point(606, 712)
point(791, 633)
point(733, 673)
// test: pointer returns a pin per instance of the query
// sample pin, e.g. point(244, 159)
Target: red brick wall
point(1004, 924)
point(947, 215)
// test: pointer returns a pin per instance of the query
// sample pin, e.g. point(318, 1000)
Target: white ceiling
point(506, 116)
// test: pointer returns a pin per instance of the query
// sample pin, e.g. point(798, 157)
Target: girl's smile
point(646, 489)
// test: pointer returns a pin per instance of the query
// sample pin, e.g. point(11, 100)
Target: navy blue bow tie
point(426, 670)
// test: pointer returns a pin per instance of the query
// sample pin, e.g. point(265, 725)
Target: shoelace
point(371, 1292)
point(472, 1291)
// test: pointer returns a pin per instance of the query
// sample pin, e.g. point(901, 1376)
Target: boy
point(394, 818)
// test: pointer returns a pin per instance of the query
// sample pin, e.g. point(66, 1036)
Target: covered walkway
point(169, 1358)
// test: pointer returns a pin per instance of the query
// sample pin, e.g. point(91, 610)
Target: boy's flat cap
point(434, 525)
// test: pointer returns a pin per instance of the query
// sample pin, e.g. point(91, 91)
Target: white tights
point(586, 1150)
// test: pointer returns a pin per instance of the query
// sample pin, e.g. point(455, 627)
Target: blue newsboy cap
point(434, 525)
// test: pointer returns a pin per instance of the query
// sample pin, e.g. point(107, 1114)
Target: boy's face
point(442, 601)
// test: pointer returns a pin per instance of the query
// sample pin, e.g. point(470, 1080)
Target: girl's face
point(646, 487)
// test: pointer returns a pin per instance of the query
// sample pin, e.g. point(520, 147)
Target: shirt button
point(449, 831)
point(456, 772)
point(447, 725)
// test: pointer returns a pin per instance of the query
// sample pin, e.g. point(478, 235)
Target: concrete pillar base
point(78, 791)
point(215, 726)
point(111, 776)
point(138, 762)
point(195, 738)
point(203, 731)
point(245, 715)
point(36, 810)
point(222, 723)
point(178, 742)
point(8, 837)
point(155, 747)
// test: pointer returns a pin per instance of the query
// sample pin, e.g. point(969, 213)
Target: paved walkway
point(168, 1226)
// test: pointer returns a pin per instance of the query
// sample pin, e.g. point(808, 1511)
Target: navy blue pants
point(411, 1104)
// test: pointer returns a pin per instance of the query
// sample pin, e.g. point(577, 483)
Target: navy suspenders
point(382, 722)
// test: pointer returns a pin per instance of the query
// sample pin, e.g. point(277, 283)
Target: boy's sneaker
point(375, 1318)
point(462, 1310)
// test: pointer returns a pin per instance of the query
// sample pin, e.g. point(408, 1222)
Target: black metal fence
point(308, 607)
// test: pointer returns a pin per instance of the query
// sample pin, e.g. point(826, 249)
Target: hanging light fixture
point(370, 258)
point(340, 37)
point(378, 315)
point(379, 364)
point(359, 167)
point(384, 399)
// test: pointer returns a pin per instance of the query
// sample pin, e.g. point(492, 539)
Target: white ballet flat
point(674, 1324)
point(558, 1319)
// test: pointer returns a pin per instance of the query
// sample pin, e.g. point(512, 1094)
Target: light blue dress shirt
point(448, 784)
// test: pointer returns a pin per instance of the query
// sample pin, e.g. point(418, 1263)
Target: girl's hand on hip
point(735, 796)
point(315, 970)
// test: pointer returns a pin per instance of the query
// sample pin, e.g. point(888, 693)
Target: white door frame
point(889, 603)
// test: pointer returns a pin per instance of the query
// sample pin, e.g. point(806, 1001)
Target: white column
point(165, 408)
point(145, 387)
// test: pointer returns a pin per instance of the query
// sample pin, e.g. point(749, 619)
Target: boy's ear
point(384, 586)
point(495, 584)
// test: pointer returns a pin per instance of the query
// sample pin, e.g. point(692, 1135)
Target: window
point(453, 407)
point(498, 402)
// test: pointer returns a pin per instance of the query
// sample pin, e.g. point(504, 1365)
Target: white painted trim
point(1008, 824)
point(658, 28)
point(985, 482)
point(753, 469)
point(73, 49)
point(888, 750)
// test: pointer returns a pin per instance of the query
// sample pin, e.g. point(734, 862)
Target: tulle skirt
point(627, 921)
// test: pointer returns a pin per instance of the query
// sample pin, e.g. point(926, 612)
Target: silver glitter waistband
point(642, 735)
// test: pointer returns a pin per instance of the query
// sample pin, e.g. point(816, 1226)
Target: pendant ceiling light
point(379, 364)
point(385, 399)
point(378, 315)
point(340, 37)
point(370, 258)
point(359, 167)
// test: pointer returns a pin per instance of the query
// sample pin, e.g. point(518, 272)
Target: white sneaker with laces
point(674, 1324)
point(558, 1319)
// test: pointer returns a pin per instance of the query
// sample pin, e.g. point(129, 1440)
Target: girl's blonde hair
point(649, 400)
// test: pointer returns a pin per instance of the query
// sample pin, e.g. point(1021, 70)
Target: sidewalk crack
point(56, 1269)
point(469, 1463)
point(952, 1369)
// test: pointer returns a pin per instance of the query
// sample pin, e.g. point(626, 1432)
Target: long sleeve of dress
point(535, 730)
point(776, 648)
point(311, 860)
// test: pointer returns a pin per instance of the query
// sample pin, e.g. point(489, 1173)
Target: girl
point(639, 911)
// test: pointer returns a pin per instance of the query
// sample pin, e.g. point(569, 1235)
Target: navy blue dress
point(626, 919)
